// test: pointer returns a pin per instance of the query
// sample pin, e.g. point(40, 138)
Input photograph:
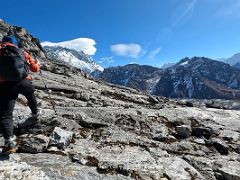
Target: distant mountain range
point(197, 77)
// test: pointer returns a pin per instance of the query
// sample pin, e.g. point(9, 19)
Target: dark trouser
point(8, 94)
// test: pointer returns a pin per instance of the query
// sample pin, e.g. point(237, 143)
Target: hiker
point(12, 83)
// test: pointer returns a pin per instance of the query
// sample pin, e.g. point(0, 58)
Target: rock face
point(198, 77)
point(237, 65)
point(113, 132)
point(26, 40)
point(143, 78)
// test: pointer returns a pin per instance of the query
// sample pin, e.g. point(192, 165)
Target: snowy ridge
point(168, 65)
point(74, 58)
point(151, 83)
point(233, 60)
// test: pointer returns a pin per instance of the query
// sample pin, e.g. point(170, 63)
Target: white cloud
point(106, 59)
point(81, 44)
point(130, 50)
point(153, 53)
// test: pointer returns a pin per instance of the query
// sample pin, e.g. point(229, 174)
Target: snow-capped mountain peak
point(81, 44)
point(74, 58)
point(233, 60)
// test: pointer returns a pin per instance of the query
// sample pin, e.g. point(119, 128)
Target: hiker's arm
point(34, 65)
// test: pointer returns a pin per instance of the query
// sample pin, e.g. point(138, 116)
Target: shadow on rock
point(4, 157)
point(36, 126)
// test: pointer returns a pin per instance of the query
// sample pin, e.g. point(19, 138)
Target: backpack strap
point(1, 47)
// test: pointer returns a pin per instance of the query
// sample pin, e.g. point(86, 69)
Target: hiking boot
point(36, 116)
point(10, 145)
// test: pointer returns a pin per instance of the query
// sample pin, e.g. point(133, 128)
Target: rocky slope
point(143, 78)
point(26, 40)
point(237, 65)
point(190, 78)
point(105, 131)
point(102, 131)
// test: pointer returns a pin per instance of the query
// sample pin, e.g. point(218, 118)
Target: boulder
point(228, 135)
point(230, 170)
point(33, 143)
point(184, 131)
point(202, 131)
point(60, 137)
point(220, 146)
point(164, 138)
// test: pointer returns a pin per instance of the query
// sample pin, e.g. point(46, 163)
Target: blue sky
point(148, 32)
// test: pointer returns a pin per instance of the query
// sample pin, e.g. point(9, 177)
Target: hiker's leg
point(6, 122)
point(8, 96)
point(32, 103)
point(6, 117)
point(26, 88)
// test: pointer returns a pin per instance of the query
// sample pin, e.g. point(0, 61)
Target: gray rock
point(33, 143)
point(146, 167)
point(185, 147)
point(202, 131)
point(55, 150)
point(60, 138)
point(21, 170)
point(229, 135)
point(230, 170)
point(177, 168)
point(85, 160)
point(62, 168)
point(184, 131)
point(236, 147)
point(221, 146)
point(164, 138)
point(153, 100)
point(2, 141)
point(89, 122)
point(199, 141)
point(202, 164)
